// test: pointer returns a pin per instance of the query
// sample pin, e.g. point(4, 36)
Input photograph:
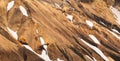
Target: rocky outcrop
point(68, 30)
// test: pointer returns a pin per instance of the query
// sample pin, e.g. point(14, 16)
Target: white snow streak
point(94, 59)
point(37, 31)
point(23, 10)
point(58, 59)
point(70, 17)
point(96, 50)
point(10, 5)
point(41, 56)
point(44, 55)
point(28, 47)
point(115, 30)
point(114, 34)
point(89, 23)
point(89, 58)
point(14, 34)
point(43, 42)
point(94, 39)
point(102, 23)
point(116, 13)
point(58, 6)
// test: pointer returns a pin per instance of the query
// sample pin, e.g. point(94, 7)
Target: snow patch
point(89, 23)
point(43, 42)
point(114, 34)
point(115, 30)
point(29, 48)
point(14, 34)
point(37, 31)
point(103, 23)
point(96, 50)
point(70, 17)
point(94, 59)
point(58, 6)
point(10, 5)
point(94, 39)
point(46, 58)
point(44, 55)
point(23, 10)
point(58, 59)
point(116, 13)
point(89, 58)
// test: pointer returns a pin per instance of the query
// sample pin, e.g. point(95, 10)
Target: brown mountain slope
point(73, 30)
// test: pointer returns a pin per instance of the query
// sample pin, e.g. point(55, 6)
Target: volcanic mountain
point(59, 30)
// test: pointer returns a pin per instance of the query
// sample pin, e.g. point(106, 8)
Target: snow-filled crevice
point(98, 51)
point(23, 10)
point(117, 36)
point(94, 59)
point(94, 39)
point(102, 21)
point(57, 5)
point(89, 23)
point(116, 31)
point(69, 17)
point(105, 23)
point(89, 58)
point(10, 5)
point(37, 31)
point(58, 59)
point(13, 33)
point(41, 56)
point(44, 54)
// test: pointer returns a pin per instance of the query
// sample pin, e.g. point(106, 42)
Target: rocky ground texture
point(59, 30)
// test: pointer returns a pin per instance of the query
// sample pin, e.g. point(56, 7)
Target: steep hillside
point(59, 30)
